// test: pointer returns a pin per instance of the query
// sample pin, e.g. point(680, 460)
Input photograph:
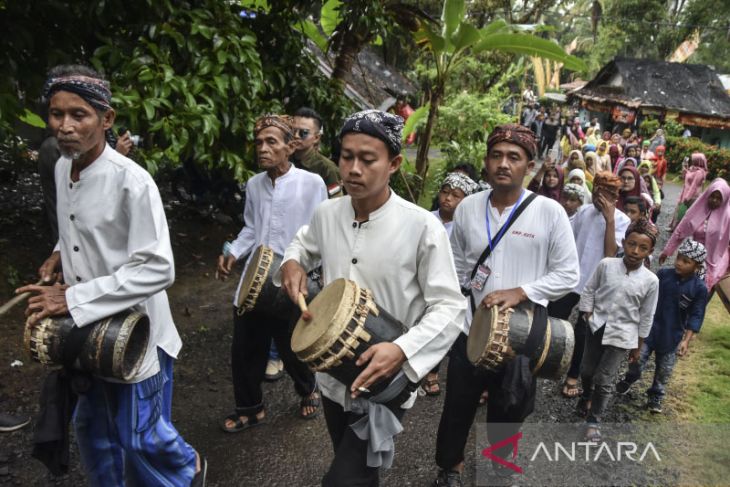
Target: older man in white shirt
point(399, 252)
point(114, 245)
point(532, 261)
point(279, 201)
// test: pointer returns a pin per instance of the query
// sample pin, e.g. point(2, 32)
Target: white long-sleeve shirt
point(623, 301)
point(402, 254)
point(274, 212)
point(115, 248)
point(589, 227)
point(537, 253)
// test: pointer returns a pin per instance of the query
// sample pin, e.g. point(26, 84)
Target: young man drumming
point(534, 261)
point(399, 252)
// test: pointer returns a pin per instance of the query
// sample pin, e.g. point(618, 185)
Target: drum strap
point(488, 250)
point(536, 337)
point(73, 343)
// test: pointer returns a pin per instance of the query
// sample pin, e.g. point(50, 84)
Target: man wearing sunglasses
point(307, 133)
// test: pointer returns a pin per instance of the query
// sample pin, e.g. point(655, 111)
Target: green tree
point(456, 41)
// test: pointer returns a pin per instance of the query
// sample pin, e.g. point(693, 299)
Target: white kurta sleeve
point(458, 247)
point(426, 343)
point(247, 236)
point(563, 267)
point(149, 269)
point(304, 248)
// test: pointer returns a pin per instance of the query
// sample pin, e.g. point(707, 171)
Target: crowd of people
point(576, 244)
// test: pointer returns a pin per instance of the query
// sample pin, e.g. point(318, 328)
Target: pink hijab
point(693, 178)
point(717, 235)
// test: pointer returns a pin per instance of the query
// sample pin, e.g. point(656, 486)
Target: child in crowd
point(572, 199)
point(635, 208)
point(548, 181)
point(618, 304)
point(679, 314)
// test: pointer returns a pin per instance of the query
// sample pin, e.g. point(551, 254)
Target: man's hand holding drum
point(505, 298)
point(386, 358)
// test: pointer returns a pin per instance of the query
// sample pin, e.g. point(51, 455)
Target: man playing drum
point(402, 254)
point(279, 201)
point(114, 245)
point(533, 261)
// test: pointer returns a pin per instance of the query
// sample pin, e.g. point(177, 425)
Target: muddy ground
point(285, 452)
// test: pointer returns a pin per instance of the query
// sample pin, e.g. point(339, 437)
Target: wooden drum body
point(115, 346)
point(346, 322)
point(496, 337)
point(258, 292)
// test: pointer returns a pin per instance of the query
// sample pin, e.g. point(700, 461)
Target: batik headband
point(516, 134)
point(644, 227)
point(457, 180)
point(94, 91)
point(608, 181)
point(376, 123)
point(695, 251)
point(282, 122)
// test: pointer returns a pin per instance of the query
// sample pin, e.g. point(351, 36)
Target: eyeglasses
point(628, 178)
point(302, 133)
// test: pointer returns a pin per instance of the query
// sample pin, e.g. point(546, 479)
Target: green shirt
point(319, 164)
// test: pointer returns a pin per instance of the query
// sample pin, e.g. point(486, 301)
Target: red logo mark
point(487, 452)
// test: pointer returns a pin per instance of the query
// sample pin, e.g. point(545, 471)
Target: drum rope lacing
point(262, 272)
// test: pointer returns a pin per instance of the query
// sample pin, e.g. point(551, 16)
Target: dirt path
point(285, 452)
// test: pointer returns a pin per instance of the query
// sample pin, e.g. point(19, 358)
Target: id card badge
point(480, 278)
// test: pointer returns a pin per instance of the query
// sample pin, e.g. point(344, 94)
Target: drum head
point(331, 310)
point(480, 333)
point(250, 274)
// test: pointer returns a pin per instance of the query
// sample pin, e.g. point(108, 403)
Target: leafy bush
point(467, 117)
point(718, 160)
point(648, 127)
point(673, 128)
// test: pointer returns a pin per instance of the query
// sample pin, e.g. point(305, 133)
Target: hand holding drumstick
point(306, 315)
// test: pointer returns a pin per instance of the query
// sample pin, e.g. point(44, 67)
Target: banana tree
point(456, 41)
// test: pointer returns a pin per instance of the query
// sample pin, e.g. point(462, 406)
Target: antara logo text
point(581, 451)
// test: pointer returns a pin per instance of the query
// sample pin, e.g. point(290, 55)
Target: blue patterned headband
point(94, 91)
point(381, 125)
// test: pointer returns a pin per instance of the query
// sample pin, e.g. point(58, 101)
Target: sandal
point(239, 425)
point(311, 401)
point(431, 387)
point(571, 390)
point(593, 434)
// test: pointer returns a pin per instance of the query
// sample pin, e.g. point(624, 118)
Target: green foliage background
point(718, 160)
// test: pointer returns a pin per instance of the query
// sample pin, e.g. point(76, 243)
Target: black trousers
point(561, 309)
point(546, 143)
point(349, 467)
point(252, 334)
point(463, 388)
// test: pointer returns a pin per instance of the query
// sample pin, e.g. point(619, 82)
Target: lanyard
point(501, 231)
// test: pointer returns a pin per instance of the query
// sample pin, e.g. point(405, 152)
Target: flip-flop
point(309, 401)
point(428, 387)
point(240, 425)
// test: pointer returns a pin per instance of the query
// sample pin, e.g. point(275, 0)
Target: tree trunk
point(352, 44)
point(425, 140)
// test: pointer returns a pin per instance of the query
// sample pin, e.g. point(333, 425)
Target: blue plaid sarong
point(126, 437)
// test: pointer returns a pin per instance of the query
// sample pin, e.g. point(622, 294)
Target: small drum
point(258, 292)
point(723, 290)
point(496, 337)
point(345, 322)
point(115, 346)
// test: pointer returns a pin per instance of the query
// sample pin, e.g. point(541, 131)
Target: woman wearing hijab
point(591, 136)
point(631, 151)
point(631, 185)
point(578, 176)
point(603, 163)
point(651, 183)
point(707, 221)
point(548, 181)
point(657, 140)
point(592, 161)
point(575, 159)
point(660, 165)
point(694, 177)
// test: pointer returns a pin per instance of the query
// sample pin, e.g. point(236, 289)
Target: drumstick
point(17, 299)
point(306, 315)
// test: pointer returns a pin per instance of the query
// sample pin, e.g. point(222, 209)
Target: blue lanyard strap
point(501, 231)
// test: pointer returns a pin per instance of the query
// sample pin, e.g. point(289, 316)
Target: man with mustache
point(399, 252)
point(114, 245)
point(532, 261)
point(279, 201)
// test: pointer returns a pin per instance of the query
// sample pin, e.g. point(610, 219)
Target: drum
point(723, 290)
point(346, 321)
point(258, 292)
point(496, 337)
point(115, 346)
